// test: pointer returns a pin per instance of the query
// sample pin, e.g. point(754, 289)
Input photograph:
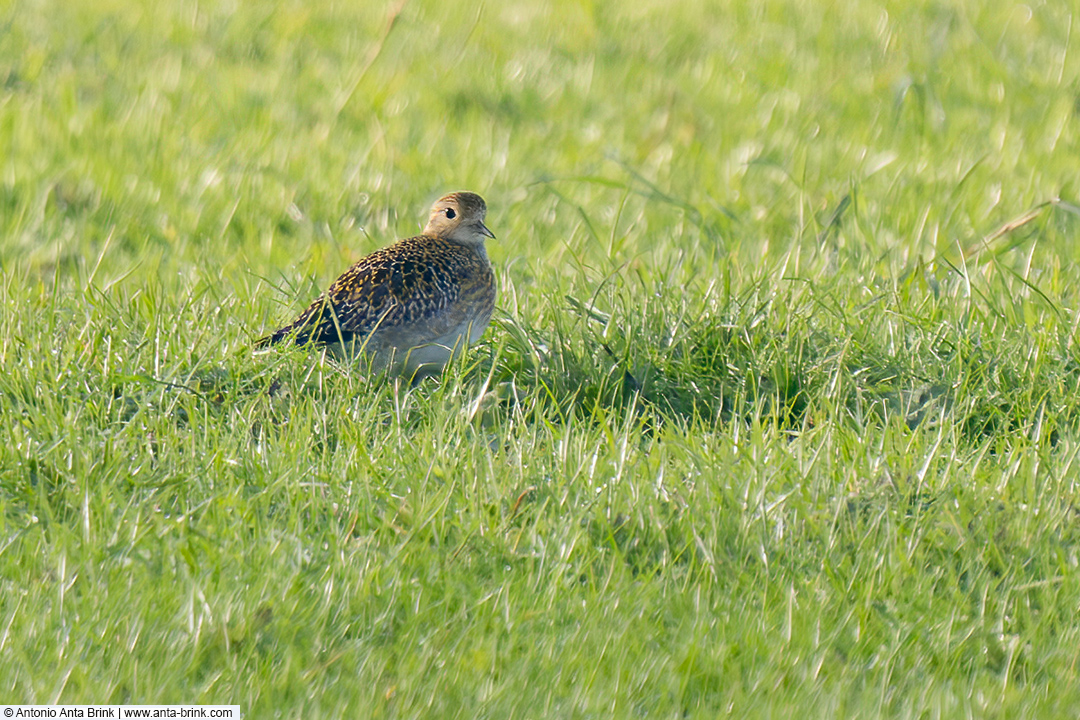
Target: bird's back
point(418, 289)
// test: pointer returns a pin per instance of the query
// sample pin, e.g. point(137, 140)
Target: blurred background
point(220, 139)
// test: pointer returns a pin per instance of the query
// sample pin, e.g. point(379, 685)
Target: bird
point(408, 308)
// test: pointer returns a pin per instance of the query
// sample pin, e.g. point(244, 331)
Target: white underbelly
point(398, 355)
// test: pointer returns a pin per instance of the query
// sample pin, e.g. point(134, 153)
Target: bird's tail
point(274, 337)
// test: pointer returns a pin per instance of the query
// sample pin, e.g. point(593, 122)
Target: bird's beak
point(484, 231)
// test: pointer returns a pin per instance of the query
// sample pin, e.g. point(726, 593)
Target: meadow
point(777, 417)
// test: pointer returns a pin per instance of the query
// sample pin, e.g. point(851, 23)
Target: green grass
point(779, 415)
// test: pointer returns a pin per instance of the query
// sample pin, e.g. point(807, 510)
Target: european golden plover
point(409, 307)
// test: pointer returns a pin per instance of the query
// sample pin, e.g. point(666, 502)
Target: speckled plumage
point(409, 306)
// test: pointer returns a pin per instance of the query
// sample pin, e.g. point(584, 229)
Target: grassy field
point(778, 416)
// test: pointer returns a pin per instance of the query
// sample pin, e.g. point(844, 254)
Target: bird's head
point(459, 217)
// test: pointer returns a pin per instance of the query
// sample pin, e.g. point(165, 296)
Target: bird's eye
point(450, 214)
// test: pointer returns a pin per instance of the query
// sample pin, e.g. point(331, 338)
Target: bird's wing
point(398, 285)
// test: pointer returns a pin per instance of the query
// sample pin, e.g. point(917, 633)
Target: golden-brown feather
point(433, 291)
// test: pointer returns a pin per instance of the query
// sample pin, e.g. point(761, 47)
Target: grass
point(778, 415)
